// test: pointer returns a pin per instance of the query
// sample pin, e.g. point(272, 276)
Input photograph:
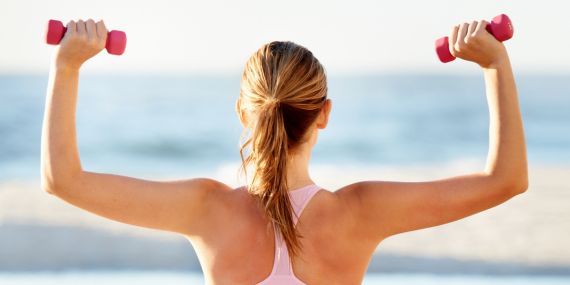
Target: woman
point(250, 235)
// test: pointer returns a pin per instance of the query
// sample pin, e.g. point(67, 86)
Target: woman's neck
point(298, 169)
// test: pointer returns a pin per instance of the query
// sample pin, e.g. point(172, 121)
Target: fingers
point(91, 29)
point(71, 28)
point(463, 34)
point(81, 28)
point(101, 29)
point(472, 28)
point(463, 29)
point(481, 27)
point(452, 39)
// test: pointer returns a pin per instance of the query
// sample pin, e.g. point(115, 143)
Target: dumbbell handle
point(500, 27)
point(116, 40)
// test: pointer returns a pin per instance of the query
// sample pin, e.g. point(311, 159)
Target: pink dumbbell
point(116, 40)
point(500, 27)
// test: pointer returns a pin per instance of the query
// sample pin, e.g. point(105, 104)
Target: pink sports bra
point(282, 273)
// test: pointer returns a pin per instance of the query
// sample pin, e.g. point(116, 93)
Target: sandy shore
point(528, 234)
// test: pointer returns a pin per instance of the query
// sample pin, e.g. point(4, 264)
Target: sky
point(348, 37)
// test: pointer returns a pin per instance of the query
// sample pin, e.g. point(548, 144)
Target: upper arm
point(386, 208)
point(179, 206)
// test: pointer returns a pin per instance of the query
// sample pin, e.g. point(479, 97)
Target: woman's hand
point(82, 41)
point(472, 42)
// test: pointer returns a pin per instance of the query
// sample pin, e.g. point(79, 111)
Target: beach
point(529, 234)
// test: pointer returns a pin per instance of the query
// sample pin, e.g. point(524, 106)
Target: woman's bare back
point(239, 245)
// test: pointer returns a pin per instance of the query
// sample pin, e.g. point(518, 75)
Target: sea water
point(182, 125)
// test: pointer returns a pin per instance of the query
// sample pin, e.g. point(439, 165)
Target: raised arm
point(179, 206)
point(387, 208)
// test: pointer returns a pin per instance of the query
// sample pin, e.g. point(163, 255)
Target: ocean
point(183, 125)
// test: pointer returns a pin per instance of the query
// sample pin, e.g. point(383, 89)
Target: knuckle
point(474, 36)
point(453, 52)
point(457, 47)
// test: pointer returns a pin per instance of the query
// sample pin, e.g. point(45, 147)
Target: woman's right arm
point(385, 208)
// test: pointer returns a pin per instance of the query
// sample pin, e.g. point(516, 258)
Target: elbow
point(47, 182)
point(521, 183)
point(522, 186)
point(56, 185)
point(515, 186)
point(48, 185)
point(47, 189)
point(510, 183)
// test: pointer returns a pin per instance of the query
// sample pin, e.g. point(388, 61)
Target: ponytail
point(269, 154)
point(283, 89)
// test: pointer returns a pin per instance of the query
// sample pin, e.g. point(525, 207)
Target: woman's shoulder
point(214, 191)
point(345, 195)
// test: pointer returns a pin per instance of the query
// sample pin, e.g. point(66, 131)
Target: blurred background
point(165, 109)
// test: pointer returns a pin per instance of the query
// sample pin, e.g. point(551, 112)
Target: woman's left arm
point(178, 206)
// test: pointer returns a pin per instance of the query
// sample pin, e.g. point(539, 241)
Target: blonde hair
point(283, 89)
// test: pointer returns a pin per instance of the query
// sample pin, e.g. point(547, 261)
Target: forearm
point(506, 159)
point(59, 154)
